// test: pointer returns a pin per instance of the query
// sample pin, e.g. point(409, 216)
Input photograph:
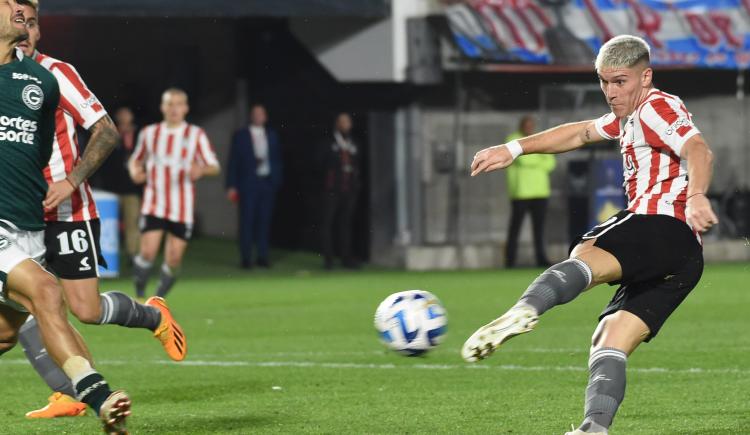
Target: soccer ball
point(411, 322)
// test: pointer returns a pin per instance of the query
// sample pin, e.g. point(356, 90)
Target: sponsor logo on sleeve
point(92, 100)
point(682, 121)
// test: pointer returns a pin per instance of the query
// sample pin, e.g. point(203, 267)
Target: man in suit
point(340, 161)
point(253, 177)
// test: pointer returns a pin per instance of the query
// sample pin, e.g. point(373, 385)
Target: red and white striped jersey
point(78, 106)
point(651, 140)
point(169, 154)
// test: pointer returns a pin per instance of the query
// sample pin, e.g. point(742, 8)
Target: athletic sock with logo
point(31, 341)
point(90, 386)
point(606, 388)
point(117, 308)
point(557, 285)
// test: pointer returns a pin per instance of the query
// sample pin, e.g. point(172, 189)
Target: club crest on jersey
point(4, 243)
point(32, 97)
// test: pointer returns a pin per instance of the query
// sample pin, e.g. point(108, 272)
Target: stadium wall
point(483, 202)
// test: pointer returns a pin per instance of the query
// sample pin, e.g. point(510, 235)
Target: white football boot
point(520, 319)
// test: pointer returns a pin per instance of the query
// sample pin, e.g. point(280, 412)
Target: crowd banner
point(682, 33)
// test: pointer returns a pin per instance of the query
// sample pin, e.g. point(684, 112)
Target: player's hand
point(490, 159)
point(700, 216)
point(57, 193)
point(233, 195)
point(138, 175)
point(196, 172)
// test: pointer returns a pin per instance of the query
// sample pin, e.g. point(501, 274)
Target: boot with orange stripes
point(169, 331)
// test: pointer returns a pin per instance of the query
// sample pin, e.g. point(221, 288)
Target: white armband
point(515, 148)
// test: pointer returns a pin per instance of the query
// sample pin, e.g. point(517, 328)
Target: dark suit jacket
point(242, 166)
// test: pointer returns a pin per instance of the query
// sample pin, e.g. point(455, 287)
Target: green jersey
point(29, 96)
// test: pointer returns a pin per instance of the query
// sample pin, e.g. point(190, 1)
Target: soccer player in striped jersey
point(169, 157)
point(29, 99)
point(72, 229)
point(652, 249)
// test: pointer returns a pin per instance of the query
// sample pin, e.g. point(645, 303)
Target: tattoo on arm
point(588, 134)
point(103, 140)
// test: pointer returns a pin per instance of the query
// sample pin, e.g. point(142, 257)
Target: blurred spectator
point(113, 176)
point(340, 162)
point(253, 177)
point(529, 190)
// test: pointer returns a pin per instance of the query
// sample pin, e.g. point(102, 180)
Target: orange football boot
point(169, 331)
point(60, 405)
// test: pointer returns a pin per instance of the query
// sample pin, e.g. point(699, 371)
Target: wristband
point(515, 148)
point(696, 193)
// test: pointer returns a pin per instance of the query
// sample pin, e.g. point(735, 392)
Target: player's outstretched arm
point(556, 140)
point(103, 140)
point(699, 213)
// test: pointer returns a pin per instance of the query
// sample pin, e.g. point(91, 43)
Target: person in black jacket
point(341, 183)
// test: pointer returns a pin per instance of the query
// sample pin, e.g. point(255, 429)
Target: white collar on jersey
point(182, 126)
point(19, 53)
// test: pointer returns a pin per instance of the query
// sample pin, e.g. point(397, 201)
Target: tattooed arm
point(103, 141)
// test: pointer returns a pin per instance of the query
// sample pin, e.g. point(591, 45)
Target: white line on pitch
point(343, 365)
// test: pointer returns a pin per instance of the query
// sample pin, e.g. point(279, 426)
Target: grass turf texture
point(310, 335)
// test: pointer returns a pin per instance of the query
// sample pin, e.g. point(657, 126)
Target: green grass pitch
point(294, 351)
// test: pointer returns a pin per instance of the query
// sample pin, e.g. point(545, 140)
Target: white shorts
point(16, 246)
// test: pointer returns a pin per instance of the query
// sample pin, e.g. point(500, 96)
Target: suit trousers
point(256, 211)
point(338, 212)
point(520, 207)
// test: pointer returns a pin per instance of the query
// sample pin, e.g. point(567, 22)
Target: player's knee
point(86, 312)
point(47, 296)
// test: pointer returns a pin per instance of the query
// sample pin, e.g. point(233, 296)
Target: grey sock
point(120, 309)
point(558, 285)
point(31, 340)
point(167, 278)
point(606, 388)
point(141, 272)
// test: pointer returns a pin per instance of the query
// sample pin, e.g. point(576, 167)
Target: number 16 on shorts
point(73, 249)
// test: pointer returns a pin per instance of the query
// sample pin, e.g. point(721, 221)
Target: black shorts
point(661, 260)
point(73, 250)
point(178, 229)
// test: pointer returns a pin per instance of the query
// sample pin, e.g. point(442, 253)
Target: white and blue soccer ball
point(411, 322)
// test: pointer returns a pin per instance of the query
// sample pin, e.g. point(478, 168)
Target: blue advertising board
point(608, 196)
point(109, 213)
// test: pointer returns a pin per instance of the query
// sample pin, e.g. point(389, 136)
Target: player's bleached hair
point(174, 91)
point(624, 51)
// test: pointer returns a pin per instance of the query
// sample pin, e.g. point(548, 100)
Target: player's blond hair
point(33, 3)
point(174, 91)
point(624, 51)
